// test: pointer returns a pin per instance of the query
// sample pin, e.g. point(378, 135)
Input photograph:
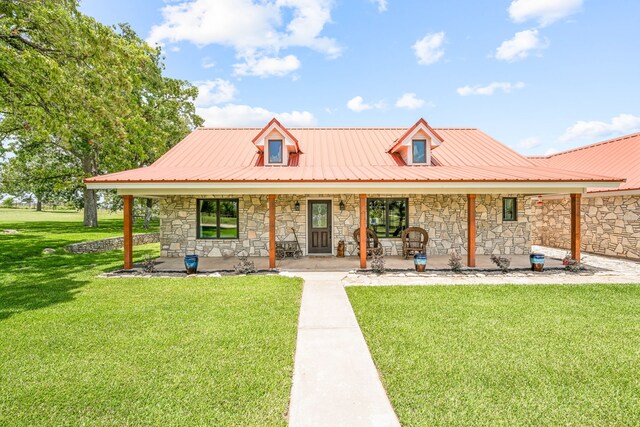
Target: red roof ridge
point(334, 128)
point(585, 147)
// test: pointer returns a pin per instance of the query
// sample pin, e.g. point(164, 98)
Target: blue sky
point(538, 75)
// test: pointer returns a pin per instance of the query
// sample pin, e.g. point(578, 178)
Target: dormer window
point(275, 151)
point(276, 146)
point(416, 144)
point(419, 150)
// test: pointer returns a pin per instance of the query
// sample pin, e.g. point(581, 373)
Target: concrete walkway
point(335, 382)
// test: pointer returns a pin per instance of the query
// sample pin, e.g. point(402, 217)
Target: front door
point(319, 224)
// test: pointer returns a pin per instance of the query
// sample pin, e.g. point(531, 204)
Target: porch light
point(341, 205)
point(296, 206)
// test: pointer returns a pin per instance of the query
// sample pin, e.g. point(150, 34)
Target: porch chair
point(373, 244)
point(414, 240)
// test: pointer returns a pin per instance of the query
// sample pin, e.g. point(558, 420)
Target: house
point(610, 216)
point(223, 190)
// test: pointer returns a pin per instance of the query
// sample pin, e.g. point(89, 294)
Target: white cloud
point(619, 125)
point(429, 49)
point(357, 104)
point(551, 151)
point(409, 101)
point(216, 91)
point(530, 142)
point(520, 45)
point(253, 29)
point(489, 89)
point(382, 5)
point(544, 11)
point(267, 66)
point(207, 63)
point(245, 115)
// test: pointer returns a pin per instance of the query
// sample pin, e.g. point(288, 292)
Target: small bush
point(573, 266)
point(8, 202)
point(377, 263)
point(455, 262)
point(149, 264)
point(503, 263)
point(244, 266)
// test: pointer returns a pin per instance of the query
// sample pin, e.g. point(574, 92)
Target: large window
point(419, 149)
point(387, 217)
point(275, 151)
point(218, 219)
point(509, 209)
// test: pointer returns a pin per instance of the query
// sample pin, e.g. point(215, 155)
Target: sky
point(541, 76)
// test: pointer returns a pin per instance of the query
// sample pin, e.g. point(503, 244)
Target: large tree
point(93, 91)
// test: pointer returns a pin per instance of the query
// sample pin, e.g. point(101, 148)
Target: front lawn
point(506, 355)
point(76, 349)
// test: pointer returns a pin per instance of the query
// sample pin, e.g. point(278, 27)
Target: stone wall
point(111, 243)
point(443, 216)
point(610, 225)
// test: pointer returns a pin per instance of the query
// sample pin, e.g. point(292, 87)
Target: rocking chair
point(414, 240)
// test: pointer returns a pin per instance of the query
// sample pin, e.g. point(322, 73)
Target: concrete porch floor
point(331, 263)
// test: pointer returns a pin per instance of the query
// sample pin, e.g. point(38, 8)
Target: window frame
point(387, 201)
point(281, 141)
point(515, 209)
point(217, 200)
point(413, 154)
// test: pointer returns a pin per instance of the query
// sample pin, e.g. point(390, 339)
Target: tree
point(47, 175)
point(92, 91)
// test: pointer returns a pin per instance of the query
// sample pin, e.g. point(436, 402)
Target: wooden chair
point(373, 244)
point(414, 240)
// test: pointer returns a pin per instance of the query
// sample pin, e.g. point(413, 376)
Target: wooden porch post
point(363, 231)
point(272, 230)
point(575, 226)
point(128, 232)
point(471, 230)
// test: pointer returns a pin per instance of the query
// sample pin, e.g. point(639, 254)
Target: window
point(509, 209)
point(387, 217)
point(218, 219)
point(419, 150)
point(275, 151)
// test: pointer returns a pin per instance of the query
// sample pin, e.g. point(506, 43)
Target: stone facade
point(111, 243)
point(610, 225)
point(443, 216)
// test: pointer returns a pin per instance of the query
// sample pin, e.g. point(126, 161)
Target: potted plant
point(537, 261)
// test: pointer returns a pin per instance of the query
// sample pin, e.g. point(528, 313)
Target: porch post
point(575, 226)
point(471, 230)
point(128, 232)
point(272, 230)
point(363, 231)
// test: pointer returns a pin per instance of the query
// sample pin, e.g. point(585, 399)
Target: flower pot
point(537, 262)
point(420, 261)
point(191, 263)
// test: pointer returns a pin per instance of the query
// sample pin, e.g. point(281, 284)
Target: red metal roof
point(343, 154)
point(614, 157)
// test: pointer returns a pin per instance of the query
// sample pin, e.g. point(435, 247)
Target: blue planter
point(420, 261)
point(537, 262)
point(191, 263)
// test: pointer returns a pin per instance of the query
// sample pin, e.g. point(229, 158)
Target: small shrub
point(149, 264)
point(573, 266)
point(503, 263)
point(455, 262)
point(8, 202)
point(244, 266)
point(377, 263)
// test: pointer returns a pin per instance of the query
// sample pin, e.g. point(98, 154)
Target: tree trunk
point(38, 205)
point(90, 196)
point(147, 214)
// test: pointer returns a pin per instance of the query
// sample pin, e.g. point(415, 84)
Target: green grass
point(506, 355)
point(76, 349)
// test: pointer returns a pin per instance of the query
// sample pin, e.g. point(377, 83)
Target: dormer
point(415, 145)
point(276, 143)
